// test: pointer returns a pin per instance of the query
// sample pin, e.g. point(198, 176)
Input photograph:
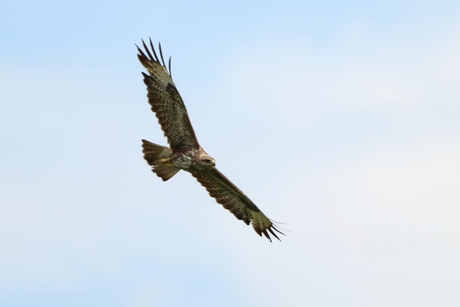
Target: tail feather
point(157, 156)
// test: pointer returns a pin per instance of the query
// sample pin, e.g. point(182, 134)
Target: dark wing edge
point(165, 100)
point(147, 59)
point(234, 200)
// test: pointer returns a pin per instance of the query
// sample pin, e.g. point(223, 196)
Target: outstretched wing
point(166, 101)
point(229, 196)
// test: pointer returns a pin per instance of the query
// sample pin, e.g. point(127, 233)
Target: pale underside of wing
point(234, 200)
point(166, 101)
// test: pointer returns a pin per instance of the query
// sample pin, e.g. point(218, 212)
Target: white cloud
point(406, 197)
point(301, 82)
point(377, 231)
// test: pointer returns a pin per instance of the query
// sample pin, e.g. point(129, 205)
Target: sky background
point(340, 119)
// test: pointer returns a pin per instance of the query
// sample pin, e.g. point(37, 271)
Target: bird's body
point(185, 153)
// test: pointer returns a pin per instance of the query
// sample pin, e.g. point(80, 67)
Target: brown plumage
point(185, 152)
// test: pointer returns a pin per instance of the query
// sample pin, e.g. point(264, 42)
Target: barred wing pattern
point(234, 200)
point(166, 101)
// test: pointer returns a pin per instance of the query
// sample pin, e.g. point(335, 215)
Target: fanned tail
point(159, 157)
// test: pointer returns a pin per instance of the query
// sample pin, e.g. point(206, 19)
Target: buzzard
point(184, 151)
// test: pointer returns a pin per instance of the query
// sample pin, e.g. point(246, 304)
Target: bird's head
point(204, 161)
point(208, 161)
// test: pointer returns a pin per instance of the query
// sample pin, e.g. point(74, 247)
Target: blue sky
point(337, 118)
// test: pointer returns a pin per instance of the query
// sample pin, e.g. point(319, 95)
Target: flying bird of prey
point(184, 151)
